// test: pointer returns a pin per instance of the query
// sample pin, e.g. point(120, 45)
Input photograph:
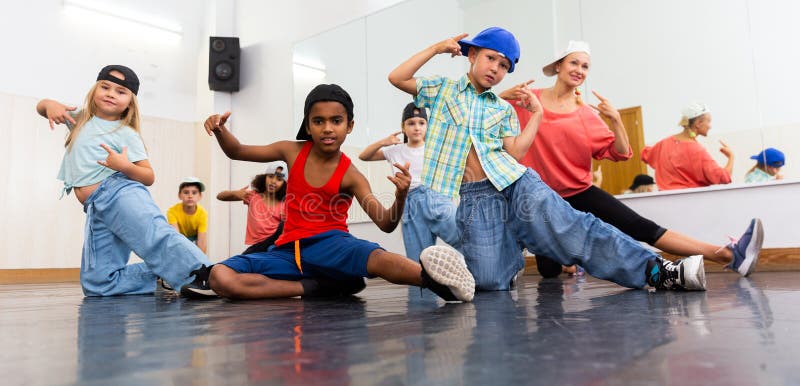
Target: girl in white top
point(106, 165)
point(427, 214)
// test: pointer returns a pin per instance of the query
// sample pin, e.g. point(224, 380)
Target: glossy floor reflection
point(569, 331)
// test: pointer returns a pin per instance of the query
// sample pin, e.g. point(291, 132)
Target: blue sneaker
point(746, 250)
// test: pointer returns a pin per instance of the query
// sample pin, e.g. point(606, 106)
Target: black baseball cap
point(131, 81)
point(412, 111)
point(641, 179)
point(324, 93)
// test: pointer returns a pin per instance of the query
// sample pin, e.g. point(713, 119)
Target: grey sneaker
point(445, 272)
point(747, 248)
point(685, 274)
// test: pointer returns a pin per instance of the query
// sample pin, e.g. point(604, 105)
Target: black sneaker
point(686, 274)
point(445, 272)
point(324, 287)
point(199, 287)
point(164, 284)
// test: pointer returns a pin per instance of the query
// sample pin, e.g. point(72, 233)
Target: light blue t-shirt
point(79, 166)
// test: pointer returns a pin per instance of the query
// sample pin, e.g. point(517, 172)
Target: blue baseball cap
point(494, 38)
point(770, 156)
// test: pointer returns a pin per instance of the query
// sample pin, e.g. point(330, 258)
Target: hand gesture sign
point(450, 46)
point(216, 122)
point(115, 161)
point(58, 113)
point(392, 139)
point(527, 99)
point(605, 108)
point(725, 149)
point(401, 179)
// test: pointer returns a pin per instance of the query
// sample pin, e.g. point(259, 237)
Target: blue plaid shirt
point(461, 118)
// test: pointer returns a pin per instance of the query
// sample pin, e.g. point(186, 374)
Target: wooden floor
point(553, 332)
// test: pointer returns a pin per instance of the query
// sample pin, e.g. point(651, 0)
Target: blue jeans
point(546, 224)
point(428, 215)
point(121, 217)
point(492, 253)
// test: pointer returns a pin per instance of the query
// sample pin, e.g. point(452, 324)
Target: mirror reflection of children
point(266, 211)
point(106, 165)
point(642, 183)
point(427, 214)
point(768, 166)
point(188, 217)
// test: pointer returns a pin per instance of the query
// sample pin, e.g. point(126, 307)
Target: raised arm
point(215, 125)
point(402, 77)
point(519, 145)
point(233, 195)
point(621, 143)
point(55, 112)
point(385, 218)
point(373, 152)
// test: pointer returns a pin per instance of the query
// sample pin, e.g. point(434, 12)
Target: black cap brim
point(302, 134)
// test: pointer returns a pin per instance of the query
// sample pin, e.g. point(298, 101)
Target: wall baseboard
point(42, 275)
point(771, 260)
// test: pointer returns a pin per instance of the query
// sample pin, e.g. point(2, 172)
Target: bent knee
point(223, 281)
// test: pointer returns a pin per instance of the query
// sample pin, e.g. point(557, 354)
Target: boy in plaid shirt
point(473, 143)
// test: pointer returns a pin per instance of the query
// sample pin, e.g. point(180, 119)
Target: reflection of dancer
point(680, 162)
point(106, 164)
point(265, 208)
point(427, 214)
point(571, 133)
point(768, 166)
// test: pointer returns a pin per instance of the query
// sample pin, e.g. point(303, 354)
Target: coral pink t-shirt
point(683, 164)
point(262, 219)
point(563, 149)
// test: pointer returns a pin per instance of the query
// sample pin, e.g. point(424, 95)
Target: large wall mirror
point(735, 56)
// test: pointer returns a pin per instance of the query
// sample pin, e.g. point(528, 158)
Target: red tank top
point(309, 210)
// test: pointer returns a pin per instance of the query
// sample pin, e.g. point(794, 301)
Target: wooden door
point(618, 176)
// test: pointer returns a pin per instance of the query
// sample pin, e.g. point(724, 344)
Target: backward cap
point(494, 38)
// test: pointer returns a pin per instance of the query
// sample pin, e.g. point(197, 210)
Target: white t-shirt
point(401, 154)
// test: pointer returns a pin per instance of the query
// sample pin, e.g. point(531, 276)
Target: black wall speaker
point(223, 64)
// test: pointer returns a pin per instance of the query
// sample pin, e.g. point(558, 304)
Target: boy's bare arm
point(519, 145)
point(385, 218)
point(282, 150)
point(402, 77)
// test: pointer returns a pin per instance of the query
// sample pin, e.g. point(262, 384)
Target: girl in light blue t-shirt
point(106, 165)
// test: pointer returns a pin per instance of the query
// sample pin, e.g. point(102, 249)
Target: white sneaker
point(445, 272)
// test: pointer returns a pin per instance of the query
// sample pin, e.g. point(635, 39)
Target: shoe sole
point(693, 273)
point(753, 250)
point(194, 293)
point(447, 267)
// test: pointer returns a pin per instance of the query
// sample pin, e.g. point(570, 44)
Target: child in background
point(188, 217)
point(427, 214)
point(472, 150)
point(768, 166)
point(265, 208)
point(316, 242)
point(106, 165)
point(642, 183)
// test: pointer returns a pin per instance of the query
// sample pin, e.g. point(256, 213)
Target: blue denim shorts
point(335, 254)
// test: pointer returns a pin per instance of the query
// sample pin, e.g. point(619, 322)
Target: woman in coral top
point(680, 162)
point(571, 134)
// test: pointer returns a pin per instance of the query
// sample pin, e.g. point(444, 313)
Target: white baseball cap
point(573, 46)
point(694, 110)
point(272, 169)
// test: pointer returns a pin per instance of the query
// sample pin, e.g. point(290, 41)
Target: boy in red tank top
point(316, 254)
